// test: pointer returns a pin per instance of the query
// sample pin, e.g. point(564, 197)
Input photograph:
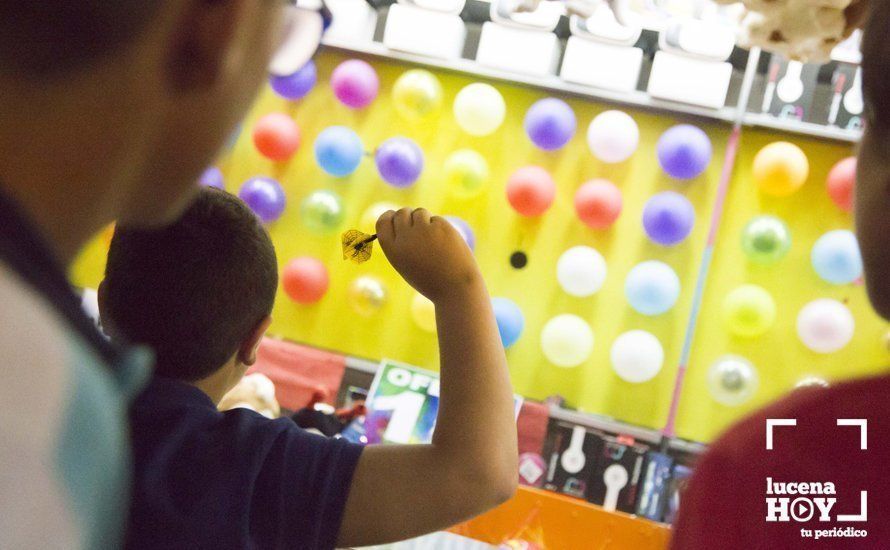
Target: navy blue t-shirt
point(234, 479)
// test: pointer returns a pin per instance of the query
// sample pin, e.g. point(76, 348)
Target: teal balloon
point(766, 239)
point(322, 211)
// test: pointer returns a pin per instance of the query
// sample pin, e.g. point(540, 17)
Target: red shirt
point(726, 504)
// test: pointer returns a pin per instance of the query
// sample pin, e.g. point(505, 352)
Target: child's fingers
point(420, 216)
point(402, 220)
point(385, 226)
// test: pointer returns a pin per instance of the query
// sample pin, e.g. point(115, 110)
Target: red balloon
point(598, 203)
point(305, 280)
point(841, 182)
point(531, 191)
point(276, 136)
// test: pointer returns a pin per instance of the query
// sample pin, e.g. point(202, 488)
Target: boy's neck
point(218, 384)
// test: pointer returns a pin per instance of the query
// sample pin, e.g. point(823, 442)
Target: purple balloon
point(399, 161)
point(684, 151)
point(355, 83)
point(464, 229)
point(668, 218)
point(297, 85)
point(212, 177)
point(265, 197)
point(550, 123)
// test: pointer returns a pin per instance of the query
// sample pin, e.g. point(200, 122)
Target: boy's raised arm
point(402, 491)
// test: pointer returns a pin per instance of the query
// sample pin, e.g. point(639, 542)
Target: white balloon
point(732, 380)
point(567, 340)
point(637, 356)
point(613, 136)
point(825, 325)
point(581, 271)
point(479, 109)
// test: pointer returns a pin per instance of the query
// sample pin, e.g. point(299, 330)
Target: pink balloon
point(355, 83)
point(841, 183)
point(531, 191)
point(598, 203)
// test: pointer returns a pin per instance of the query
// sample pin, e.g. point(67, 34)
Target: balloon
point(464, 229)
point(531, 191)
point(479, 109)
point(297, 85)
point(567, 340)
point(598, 203)
point(766, 239)
point(668, 218)
point(581, 271)
point(322, 211)
point(338, 150)
point(825, 326)
point(265, 197)
point(417, 94)
point(510, 320)
point(550, 123)
point(368, 223)
point(841, 182)
point(780, 169)
point(367, 295)
point(652, 288)
point(637, 356)
point(613, 136)
point(212, 177)
point(684, 151)
point(276, 136)
point(466, 173)
point(399, 161)
point(732, 380)
point(305, 280)
point(749, 311)
point(355, 83)
point(836, 257)
point(424, 313)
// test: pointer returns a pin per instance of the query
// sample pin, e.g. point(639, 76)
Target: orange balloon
point(305, 280)
point(841, 182)
point(531, 191)
point(598, 203)
point(276, 136)
point(780, 169)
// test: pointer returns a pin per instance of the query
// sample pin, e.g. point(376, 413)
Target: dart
point(357, 246)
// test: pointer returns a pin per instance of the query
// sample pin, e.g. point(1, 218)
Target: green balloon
point(322, 211)
point(749, 311)
point(766, 239)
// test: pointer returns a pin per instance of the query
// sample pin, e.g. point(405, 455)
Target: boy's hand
point(428, 252)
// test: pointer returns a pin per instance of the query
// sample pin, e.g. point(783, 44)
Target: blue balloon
point(265, 197)
point(338, 150)
point(652, 288)
point(212, 177)
point(550, 123)
point(297, 85)
point(510, 320)
point(836, 257)
point(399, 161)
point(684, 151)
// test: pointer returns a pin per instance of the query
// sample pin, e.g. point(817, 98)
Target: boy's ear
point(204, 38)
point(248, 349)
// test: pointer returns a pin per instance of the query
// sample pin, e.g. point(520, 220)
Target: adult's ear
point(247, 351)
point(202, 41)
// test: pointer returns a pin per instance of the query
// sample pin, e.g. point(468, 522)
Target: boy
point(109, 110)
point(726, 505)
point(200, 293)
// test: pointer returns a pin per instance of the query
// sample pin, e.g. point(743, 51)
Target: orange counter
point(557, 522)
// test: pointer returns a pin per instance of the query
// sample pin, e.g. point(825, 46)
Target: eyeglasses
point(304, 25)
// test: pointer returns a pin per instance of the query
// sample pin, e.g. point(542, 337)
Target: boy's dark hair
point(192, 291)
point(41, 37)
point(876, 66)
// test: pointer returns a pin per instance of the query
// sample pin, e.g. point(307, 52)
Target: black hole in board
point(518, 259)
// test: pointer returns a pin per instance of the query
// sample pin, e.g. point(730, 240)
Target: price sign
point(403, 403)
